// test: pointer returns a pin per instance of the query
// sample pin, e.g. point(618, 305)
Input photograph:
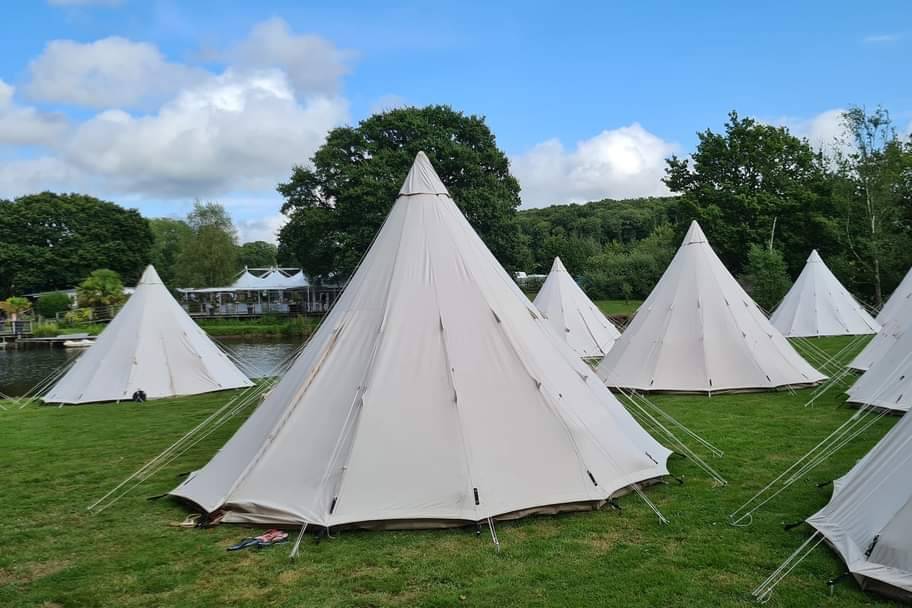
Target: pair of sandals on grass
point(267, 539)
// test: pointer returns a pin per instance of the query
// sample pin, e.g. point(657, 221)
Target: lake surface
point(21, 369)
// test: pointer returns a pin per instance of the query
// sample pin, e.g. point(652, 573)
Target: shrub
point(45, 330)
point(50, 304)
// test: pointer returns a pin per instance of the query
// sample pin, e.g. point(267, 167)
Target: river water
point(21, 369)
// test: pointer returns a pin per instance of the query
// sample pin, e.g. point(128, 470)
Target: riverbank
point(262, 327)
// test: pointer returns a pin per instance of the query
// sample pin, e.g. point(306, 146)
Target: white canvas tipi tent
point(892, 330)
point(888, 383)
point(698, 331)
point(151, 345)
point(573, 315)
point(432, 393)
point(897, 302)
point(868, 520)
point(818, 305)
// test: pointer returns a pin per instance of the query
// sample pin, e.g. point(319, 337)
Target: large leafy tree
point(753, 183)
point(257, 254)
point(336, 207)
point(171, 236)
point(209, 258)
point(52, 241)
point(874, 177)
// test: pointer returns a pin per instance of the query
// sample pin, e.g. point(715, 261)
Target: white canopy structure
point(698, 331)
point(897, 301)
point(888, 383)
point(433, 393)
point(818, 305)
point(247, 281)
point(868, 520)
point(573, 315)
point(151, 345)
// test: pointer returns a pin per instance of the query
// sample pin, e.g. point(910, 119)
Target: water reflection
point(21, 369)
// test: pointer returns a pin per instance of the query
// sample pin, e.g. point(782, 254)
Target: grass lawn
point(618, 307)
point(53, 553)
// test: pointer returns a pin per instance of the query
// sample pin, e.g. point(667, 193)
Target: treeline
point(765, 199)
point(54, 241)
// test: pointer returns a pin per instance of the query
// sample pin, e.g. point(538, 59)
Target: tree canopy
point(209, 257)
point(336, 207)
point(257, 254)
point(101, 288)
point(752, 183)
point(52, 241)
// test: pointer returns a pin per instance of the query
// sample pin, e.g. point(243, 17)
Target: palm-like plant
point(15, 306)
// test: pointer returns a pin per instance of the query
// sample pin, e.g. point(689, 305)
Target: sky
point(156, 103)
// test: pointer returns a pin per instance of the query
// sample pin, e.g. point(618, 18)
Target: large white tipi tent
point(153, 346)
point(698, 331)
point(433, 393)
point(573, 315)
point(890, 333)
point(898, 301)
point(888, 383)
point(868, 520)
point(818, 305)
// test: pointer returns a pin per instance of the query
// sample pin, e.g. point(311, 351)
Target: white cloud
point(85, 2)
point(27, 176)
point(234, 131)
point(619, 163)
point(261, 229)
point(109, 73)
point(824, 131)
point(882, 38)
point(313, 64)
point(22, 125)
point(385, 103)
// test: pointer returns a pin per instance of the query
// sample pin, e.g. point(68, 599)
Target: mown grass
point(53, 553)
point(614, 308)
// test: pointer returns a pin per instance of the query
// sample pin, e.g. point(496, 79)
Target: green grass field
point(54, 462)
point(618, 307)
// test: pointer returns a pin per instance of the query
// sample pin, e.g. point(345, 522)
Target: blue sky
point(155, 103)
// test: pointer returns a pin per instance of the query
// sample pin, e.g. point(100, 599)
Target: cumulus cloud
point(109, 73)
point(25, 176)
point(385, 103)
point(261, 229)
point(313, 64)
point(22, 125)
point(824, 131)
point(618, 163)
point(233, 131)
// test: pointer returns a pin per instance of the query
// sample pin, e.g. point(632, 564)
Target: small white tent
point(573, 315)
point(868, 520)
point(898, 301)
point(818, 305)
point(888, 383)
point(151, 345)
point(247, 281)
point(698, 331)
point(433, 393)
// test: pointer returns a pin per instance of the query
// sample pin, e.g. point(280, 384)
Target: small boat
point(78, 343)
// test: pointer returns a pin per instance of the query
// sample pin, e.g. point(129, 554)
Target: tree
point(875, 176)
point(15, 306)
point(102, 288)
point(765, 276)
point(170, 238)
point(742, 183)
point(209, 257)
point(49, 304)
point(257, 254)
point(336, 207)
point(52, 241)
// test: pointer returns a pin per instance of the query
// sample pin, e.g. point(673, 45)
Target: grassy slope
point(52, 553)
